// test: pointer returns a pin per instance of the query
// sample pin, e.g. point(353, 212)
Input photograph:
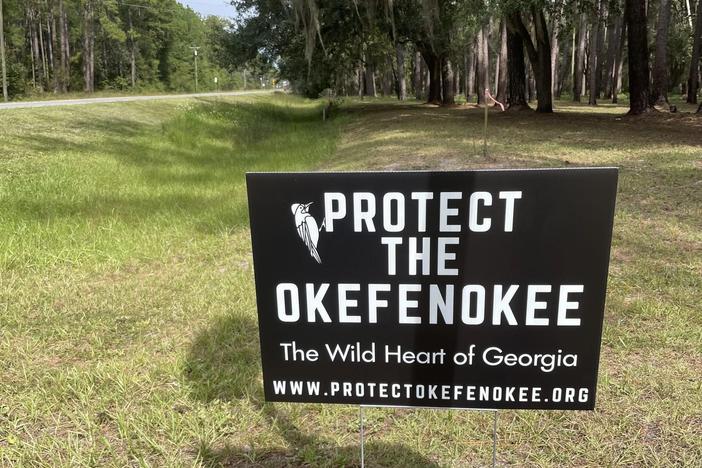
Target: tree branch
point(516, 25)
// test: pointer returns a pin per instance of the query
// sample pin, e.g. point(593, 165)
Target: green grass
point(128, 328)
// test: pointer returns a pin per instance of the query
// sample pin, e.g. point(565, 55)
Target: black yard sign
point(475, 289)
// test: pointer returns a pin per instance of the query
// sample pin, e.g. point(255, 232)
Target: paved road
point(81, 102)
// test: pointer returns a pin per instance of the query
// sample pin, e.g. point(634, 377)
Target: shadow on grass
point(223, 365)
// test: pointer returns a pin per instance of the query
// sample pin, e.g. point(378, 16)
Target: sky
point(210, 7)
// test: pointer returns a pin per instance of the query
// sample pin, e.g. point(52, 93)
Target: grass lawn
point(127, 315)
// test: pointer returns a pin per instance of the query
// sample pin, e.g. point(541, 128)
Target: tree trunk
point(88, 46)
point(542, 69)
point(3, 68)
point(434, 67)
point(417, 75)
point(456, 80)
point(619, 64)
point(693, 80)
point(611, 41)
point(486, 55)
point(447, 89)
point(482, 64)
point(91, 60)
point(659, 88)
point(33, 62)
point(369, 81)
point(359, 80)
point(38, 62)
point(401, 84)
point(555, 47)
point(386, 77)
point(593, 55)
point(132, 65)
point(516, 98)
point(132, 50)
point(539, 52)
point(470, 72)
point(496, 75)
point(52, 51)
point(502, 81)
point(580, 58)
point(64, 46)
point(42, 49)
point(635, 16)
point(466, 65)
point(613, 37)
point(601, 56)
point(564, 68)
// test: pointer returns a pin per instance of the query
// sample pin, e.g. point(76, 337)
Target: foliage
point(159, 32)
point(331, 43)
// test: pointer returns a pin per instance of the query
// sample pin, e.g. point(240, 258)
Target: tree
point(435, 33)
point(693, 80)
point(614, 31)
point(469, 71)
point(483, 64)
point(593, 55)
point(434, 67)
point(603, 15)
point(502, 64)
point(539, 52)
point(563, 71)
point(417, 76)
point(448, 88)
point(555, 47)
point(64, 75)
point(517, 72)
point(88, 47)
point(132, 50)
point(635, 17)
point(2, 55)
point(659, 90)
point(618, 64)
point(400, 78)
point(56, 45)
point(580, 59)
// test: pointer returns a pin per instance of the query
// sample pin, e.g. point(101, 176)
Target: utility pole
point(2, 55)
point(195, 53)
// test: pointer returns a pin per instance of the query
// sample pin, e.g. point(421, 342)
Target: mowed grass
point(127, 316)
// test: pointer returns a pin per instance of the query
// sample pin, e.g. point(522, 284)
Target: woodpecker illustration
point(307, 227)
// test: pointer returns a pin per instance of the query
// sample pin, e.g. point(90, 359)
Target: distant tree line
point(58, 46)
point(521, 50)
